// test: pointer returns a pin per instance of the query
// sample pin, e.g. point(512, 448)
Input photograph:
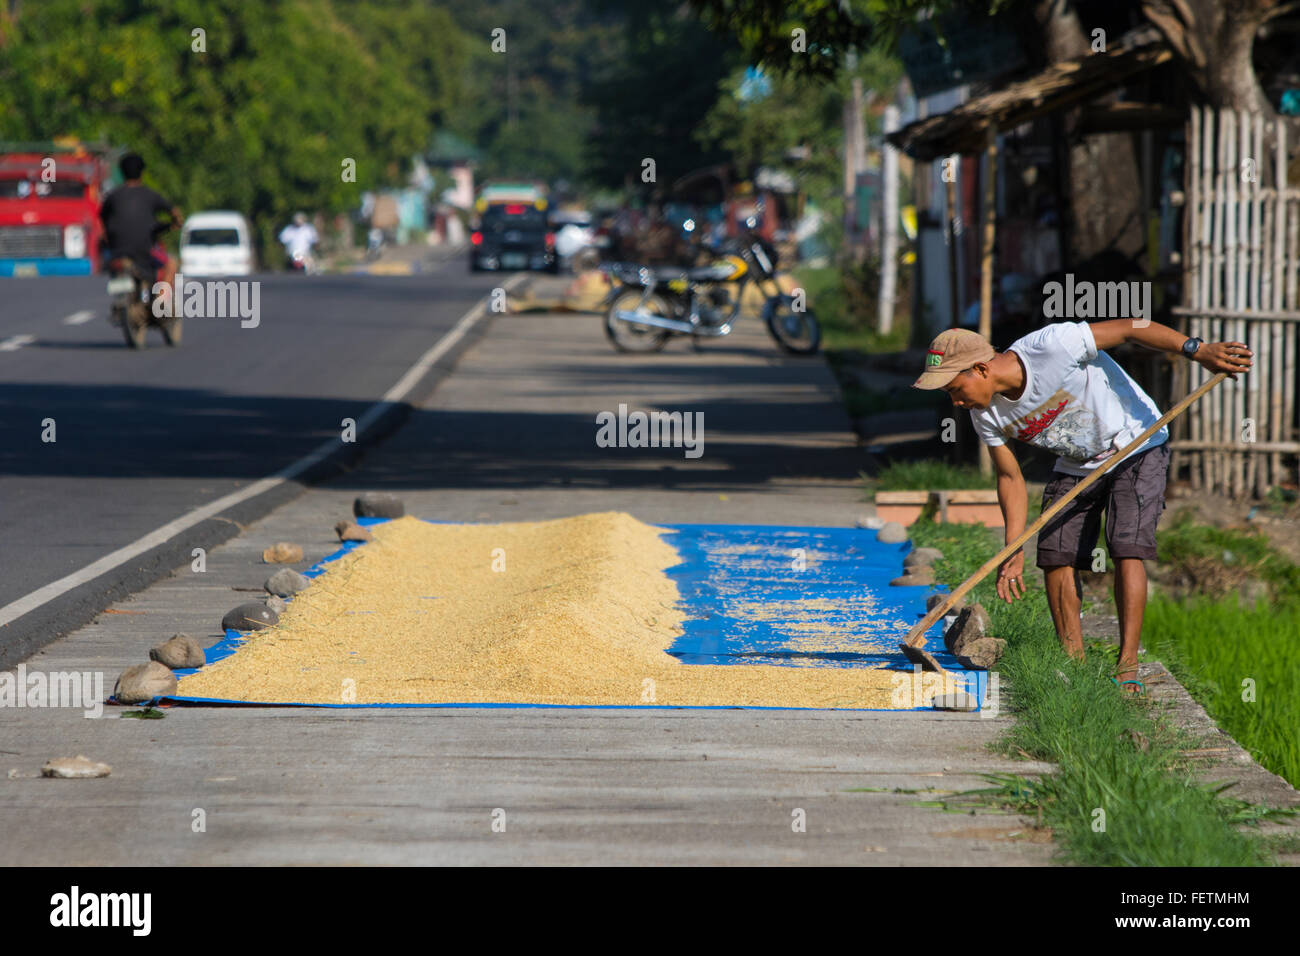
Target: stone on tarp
point(378, 504)
point(981, 653)
point(922, 557)
point(351, 531)
point(286, 582)
point(871, 522)
point(892, 533)
point(282, 552)
point(143, 682)
point(249, 617)
point(75, 768)
point(934, 600)
point(971, 624)
point(178, 653)
point(916, 577)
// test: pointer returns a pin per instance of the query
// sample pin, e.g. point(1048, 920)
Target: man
point(130, 217)
point(298, 238)
point(1057, 389)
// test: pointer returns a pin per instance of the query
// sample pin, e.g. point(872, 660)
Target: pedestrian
point(1056, 388)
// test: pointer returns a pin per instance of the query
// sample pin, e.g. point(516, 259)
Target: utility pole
point(888, 224)
point(854, 153)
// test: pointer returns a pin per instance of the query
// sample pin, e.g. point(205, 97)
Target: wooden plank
point(1282, 315)
point(902, 497)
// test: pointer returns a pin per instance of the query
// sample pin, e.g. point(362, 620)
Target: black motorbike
point(649, 304)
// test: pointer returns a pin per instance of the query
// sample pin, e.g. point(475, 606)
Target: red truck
point(49, 206)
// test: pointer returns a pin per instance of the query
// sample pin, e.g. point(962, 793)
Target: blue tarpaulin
point(758, 594)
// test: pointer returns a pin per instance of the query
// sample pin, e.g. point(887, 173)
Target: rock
point(286, 582)
point(249, 617)
point(871, 522)
point(179, 653)
point(891, 533)
point(934, 600)
point(917, 577)
point(277, 603)
point(282, 552)
point(971, 624)
point(922, 557)
point(351, 531)
point(955, 700)
point(981, 653)
point(375, 504)
point(74, 768)
point(143, 682)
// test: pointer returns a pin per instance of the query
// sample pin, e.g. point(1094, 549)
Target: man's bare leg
point(1130, 607)
point(1065, 600)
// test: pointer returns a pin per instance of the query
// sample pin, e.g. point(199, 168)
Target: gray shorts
point(1131, 496)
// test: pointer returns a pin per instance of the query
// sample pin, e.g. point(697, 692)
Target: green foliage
point(927, 475)
point(1247, 551)
point(846, 313)
point(1156, 812)
point(262, 120)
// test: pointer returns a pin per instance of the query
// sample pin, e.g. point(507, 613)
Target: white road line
point(79, 318)
point(49, 592)
point(15, 342)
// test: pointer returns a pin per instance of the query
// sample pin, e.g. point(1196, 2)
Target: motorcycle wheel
point(135, 324)
point(798, 333)
point(629, 336)
point(171, 330)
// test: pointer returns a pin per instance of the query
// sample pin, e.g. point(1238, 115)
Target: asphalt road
point(143, 437)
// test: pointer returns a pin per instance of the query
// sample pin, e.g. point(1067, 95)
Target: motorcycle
point(131, 292)
point(647, 305)
point(301, 261)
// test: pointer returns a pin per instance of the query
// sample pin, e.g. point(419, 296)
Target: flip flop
point(1140, 692)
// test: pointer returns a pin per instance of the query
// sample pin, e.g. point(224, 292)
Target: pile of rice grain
point(581, 614)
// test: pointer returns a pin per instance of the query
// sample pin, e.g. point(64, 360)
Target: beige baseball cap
point(950, 353)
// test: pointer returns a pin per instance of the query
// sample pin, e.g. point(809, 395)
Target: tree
point(258, 113)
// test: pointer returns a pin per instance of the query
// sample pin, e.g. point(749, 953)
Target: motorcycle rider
point(131, 226)
point(298, 238)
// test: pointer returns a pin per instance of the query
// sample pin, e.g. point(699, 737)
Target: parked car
point(513, 236)
point(216, 243)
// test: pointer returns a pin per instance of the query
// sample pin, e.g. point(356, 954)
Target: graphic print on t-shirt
point(1063, 426)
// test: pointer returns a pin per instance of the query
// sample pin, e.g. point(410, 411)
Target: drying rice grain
point(581, 614)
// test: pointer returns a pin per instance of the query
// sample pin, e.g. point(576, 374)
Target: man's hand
point(1011, 580)
point(1230, 357)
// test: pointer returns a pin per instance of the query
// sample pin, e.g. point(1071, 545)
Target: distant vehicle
point(216, 243)
point(575, 239)
point(49, 207)
point(495, 194)
point(513, 236)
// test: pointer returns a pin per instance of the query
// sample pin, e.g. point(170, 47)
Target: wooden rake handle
point(916, 636)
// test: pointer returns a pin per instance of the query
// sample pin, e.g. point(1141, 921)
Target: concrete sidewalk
point(511, 436)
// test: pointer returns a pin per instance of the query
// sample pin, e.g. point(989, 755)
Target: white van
point(217, 243)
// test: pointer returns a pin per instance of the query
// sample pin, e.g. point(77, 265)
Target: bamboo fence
point(1242, 244)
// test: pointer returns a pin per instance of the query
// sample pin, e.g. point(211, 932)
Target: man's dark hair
point(131, 165)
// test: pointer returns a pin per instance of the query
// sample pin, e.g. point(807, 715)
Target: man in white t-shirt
point(1056, 388)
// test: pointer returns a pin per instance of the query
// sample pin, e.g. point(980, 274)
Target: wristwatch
point(1191, 345)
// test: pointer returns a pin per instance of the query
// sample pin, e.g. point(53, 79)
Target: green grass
point(1069, 713)
point(1184, 541)
point(927, 474)
point(1218, 646)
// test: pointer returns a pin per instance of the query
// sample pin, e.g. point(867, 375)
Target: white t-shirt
point(1077, 402)
point(299, 238)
